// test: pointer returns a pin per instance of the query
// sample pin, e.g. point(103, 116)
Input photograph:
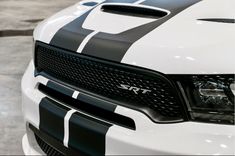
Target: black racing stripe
point(87, 134)
point(71, 36)
point(59, 88)
point(114, 46)
point(52, 118)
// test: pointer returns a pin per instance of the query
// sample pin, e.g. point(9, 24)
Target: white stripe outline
point(139, 1)
point(66, 120)
point(86, 40)
point(75, 94)
point(66, 126)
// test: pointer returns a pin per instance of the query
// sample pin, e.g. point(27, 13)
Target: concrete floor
point(15, 54)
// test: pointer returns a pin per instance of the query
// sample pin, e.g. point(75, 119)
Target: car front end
point(134, 77)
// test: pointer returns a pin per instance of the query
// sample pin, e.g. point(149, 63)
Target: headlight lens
point(209, 98)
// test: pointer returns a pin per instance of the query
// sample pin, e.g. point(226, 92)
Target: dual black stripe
point(71, 35)
point(86, 134)
point(114, 46)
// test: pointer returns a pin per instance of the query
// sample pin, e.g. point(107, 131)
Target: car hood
point(190, 37)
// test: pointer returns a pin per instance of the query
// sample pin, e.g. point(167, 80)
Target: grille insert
point(46, 148)
point(102, 78)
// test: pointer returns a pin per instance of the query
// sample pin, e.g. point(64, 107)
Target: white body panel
point(29, 87)
point(26, 147)
point(184, 45)
point(177, 139)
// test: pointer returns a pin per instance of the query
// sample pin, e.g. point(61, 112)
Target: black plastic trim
point(219, 20)
point(88, 105)
point(59, 88)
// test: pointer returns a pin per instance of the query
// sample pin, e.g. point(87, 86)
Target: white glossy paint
point(30, 94)
point(139, 1)
point(29, 143)
point(27, 148)
point(184, 45)
point(188, 138)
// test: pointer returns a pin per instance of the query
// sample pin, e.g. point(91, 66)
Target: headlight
point(209, 98)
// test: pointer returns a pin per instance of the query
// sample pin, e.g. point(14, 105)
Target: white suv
point(133, 77)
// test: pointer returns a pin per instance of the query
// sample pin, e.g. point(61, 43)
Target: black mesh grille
point(46, 148)
point(103, 78)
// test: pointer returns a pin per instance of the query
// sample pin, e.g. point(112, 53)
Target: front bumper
point(187, 138)
point(27, 147)
point(29, 143)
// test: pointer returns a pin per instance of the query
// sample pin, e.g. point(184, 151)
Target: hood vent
point(219, 20)
point(134, 11)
